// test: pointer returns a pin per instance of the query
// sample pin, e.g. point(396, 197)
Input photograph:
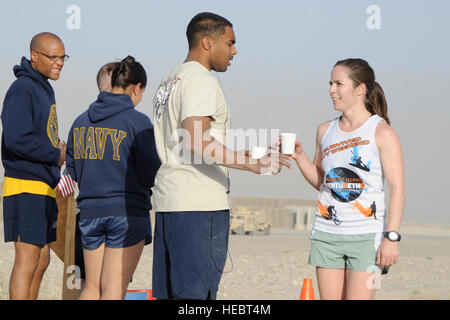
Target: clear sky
point(279, 78)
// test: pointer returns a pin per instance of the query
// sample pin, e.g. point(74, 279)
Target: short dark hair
point(36, 40)
point(127, 72)
point(205, 24)
point(106, 69)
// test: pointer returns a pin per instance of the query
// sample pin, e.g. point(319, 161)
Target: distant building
point(281, 213)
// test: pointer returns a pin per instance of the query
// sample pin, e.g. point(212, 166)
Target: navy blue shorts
point(189, 253)
point(79, 257)
point(115, 231)
point(30, 218)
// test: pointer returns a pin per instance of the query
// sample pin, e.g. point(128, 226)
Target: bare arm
point(393, 167)
point(311, 170)
point(214, 152)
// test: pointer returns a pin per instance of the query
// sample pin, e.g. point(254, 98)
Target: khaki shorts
point(357, 252)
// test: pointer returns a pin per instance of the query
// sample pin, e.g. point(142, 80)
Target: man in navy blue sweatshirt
point(32, 155)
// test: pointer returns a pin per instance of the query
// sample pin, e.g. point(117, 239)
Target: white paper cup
point(258, 152)
point(288, 142)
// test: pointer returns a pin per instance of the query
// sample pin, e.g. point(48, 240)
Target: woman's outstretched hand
point(297, 151)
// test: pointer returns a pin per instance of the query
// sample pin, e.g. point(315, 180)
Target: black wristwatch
point(392, 235)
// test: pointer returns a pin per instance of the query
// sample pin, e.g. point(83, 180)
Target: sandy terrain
point(273, 267)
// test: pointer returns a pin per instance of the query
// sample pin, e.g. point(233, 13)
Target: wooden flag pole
point(58, 245)
point(70, 291)
point(64, 246)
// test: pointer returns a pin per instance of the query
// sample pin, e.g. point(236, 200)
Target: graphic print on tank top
point(328, 212)
point(345, 186)
point(368, 212)
point(351, 196)
point(357, 161)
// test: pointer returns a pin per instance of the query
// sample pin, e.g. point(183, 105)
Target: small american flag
point(66, 184)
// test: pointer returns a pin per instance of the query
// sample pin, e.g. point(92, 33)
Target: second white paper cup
point(288, 142)
point(258, 153)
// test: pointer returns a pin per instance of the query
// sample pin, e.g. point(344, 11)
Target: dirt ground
point(274, 266)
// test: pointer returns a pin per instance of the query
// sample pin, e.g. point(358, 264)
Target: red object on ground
point(307, 292)
point(133, 294)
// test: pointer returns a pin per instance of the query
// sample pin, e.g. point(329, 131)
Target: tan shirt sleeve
point(199, 98)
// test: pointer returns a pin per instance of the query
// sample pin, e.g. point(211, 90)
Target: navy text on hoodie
point(30, 128)
point(111, 154)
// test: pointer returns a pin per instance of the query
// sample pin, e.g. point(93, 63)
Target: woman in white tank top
point(354, 153)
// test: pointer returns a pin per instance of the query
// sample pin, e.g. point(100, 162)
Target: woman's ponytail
point(127, 72)
point(376, 102)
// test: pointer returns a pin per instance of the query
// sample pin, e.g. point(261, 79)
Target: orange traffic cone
point(307, 290)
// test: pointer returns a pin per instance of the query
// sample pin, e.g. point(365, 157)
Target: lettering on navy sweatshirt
point(30, 128)
point(111, 153)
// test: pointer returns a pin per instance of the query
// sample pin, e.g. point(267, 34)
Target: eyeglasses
point(54, 58)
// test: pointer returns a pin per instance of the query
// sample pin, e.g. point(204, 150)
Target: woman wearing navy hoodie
point(111, 154)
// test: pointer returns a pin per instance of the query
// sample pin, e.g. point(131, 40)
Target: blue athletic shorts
point(115, 231)
point(189, 253)
point(79, 257)
point(30, 218)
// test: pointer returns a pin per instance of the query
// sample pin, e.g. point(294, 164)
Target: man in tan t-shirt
point(191, 192)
